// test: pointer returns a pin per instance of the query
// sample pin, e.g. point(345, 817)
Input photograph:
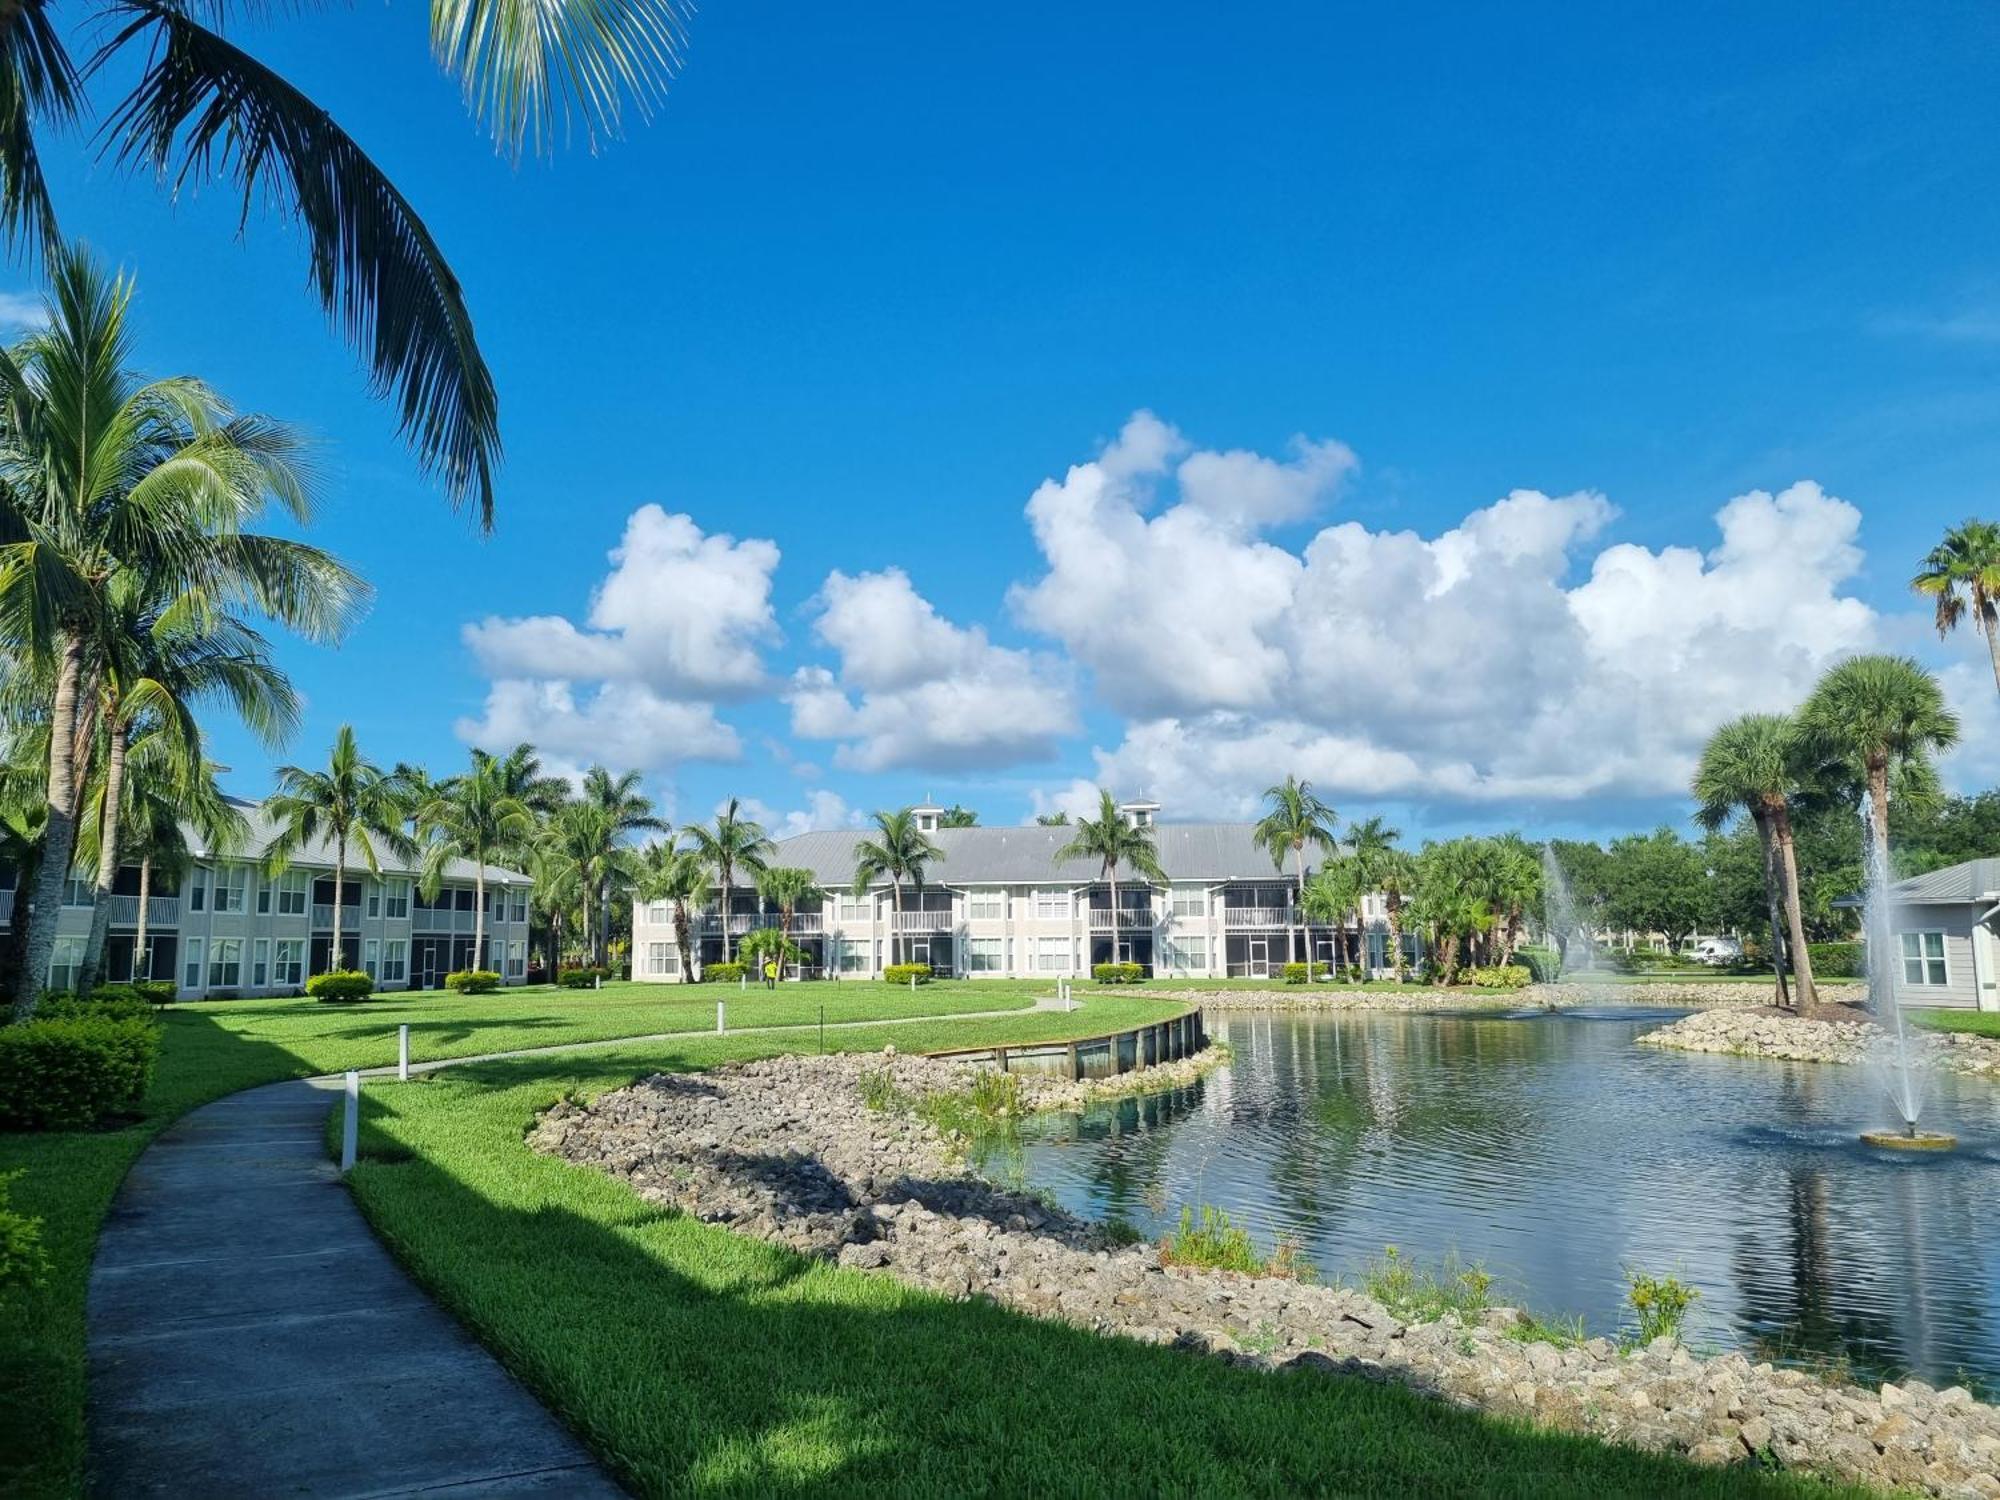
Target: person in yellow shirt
point(770, 973)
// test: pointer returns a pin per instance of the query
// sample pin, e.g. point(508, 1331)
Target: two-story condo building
point(232, 929)
point(998, 905)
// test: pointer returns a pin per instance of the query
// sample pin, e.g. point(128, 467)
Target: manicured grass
point(694, 1360)
point(212, 1049)
point(1973, 1022)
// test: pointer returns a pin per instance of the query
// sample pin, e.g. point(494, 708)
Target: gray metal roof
point(318, 853)
point(1009, 856)
point(1975, 880)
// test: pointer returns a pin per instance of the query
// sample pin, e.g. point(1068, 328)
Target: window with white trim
point(1923, 958)
point(197, 891)
point(260, 963)
point(232, 887)
point(1187, 953)
point(191, 968)
point(1189, 901)
point(659, 914)
point(79, 890)
point(1052, 955)
point(291, 961)
point(518, 912)
point(374, 898)
point(396, 898)
point(395, 960)
point(856, 910)
point(292, 893)
point(987, 905)
point(517, 959)
point(854, 956)
point(660, 958)
point(1051, 906)
point(371, 958)
point(985, 955)
point(65, 962)
point(225, 964)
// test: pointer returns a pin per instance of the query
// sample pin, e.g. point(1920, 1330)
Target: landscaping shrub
point(1662, 1303)
point(1544, 965)
point(472, 981)
point(114, 1002)
point(904, 973)
point(584, 978)
point(1838, 960)
point(340, 985)
point(1123, 973)
point(23, 1262)
point(1499, 977)
point(66, 1074)
point(727, 973)
point(1300, 973)
point(157, 991)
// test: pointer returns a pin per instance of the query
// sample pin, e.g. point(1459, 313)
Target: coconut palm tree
point(1962, 573)
point(627, 811)
point(731, 843)
point(1113, 839)
point(787, 887)
point(1371, 845)
point(1751, 765)
point(1297, 817)
point(353, 805)
point(1329, 895)
point(900, 850)
point(673, 874)
point(103, 475)
point(473, 818)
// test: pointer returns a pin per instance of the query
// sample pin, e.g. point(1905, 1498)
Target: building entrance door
point(920, 951)
point(1260, 958)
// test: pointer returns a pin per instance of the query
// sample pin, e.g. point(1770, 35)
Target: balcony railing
point(161, 911)
point(431, 919)
point(921, 921)
point(1104, 919)
point(1260, 916)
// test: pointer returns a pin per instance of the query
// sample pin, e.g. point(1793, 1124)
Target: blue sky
point(871, 276)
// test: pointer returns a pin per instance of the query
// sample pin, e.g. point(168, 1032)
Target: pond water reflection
point(1560, 1155)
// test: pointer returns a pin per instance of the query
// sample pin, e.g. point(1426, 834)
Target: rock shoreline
point(1773, 1034)
point(1567, 995)
point(788, 1149)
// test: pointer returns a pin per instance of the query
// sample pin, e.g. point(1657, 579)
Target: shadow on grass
point(696, 1360)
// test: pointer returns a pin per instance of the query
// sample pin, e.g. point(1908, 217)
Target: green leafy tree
point(1113, 839)
point(1379, 866)
point(352, 805)
point(1962, 575)
point(626, 812)
point(1656, 882)
point(900, 851)
point(1452, 905)
point(1052, 820)
point(1295, 819)
point(729, 844)
point(787, 887)
point(1331, 892)
point(956, 816)
point(472, 817)
point(678, 876)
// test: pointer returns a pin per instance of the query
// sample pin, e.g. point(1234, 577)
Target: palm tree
point(1372, 852)
point(472, 817)
point(199, 109)
point(1962, 573)
point(353, 805)
point(581, 835)
point(1515, 872)
point(1881, 716)
point(1750, 765)
point(1451, 901)
point(1329, 895)
point(733, 842)
point(957, 816)
point(1296, 818)
point(1395, 875)
point(787, 887)
point(900, 850)
point(670, 873)
point(1052, 820)
point(1113, 839)
point(626, 811)
point(102, 475)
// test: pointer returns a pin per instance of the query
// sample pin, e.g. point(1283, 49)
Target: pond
point(1559, 1155)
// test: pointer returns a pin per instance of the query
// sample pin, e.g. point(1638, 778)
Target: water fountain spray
point(1898, 1066)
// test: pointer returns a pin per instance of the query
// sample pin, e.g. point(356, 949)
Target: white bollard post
point(403, 1053)
point(597, 982)
point(720, 1025)
point(351, 1125)
point(913, 984)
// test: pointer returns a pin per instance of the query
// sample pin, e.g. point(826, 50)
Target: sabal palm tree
point(1296, 818)
point(1515, 871)
point(1395, 876)
point(102, 475)
point(900, 850)
point(1962, 573)
point(1751, 765)
point(1372, 851)
point(1329, 895)
point(352, 805)
point(1451, 900)
point(673, 874)
point(731, 843)
point(1113, 839)
point(199, 109)
point(472, 817)
point(787, 887)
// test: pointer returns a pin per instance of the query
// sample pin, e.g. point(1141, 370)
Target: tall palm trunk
point(335, 959)
point(1111, 874)
point(683, 943)
point(1992, 633)
point(59, 834)
point(139, 955)
point(1294, 935)
point(1773, 898)
point(109, 832)
point(1394, 901)
point(728, 869)
point(895, 919)
point(479, 910)
point(1804, 991)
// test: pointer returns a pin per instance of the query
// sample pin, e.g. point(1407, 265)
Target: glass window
point(986, 955)
point(517, 958)
point(1190, 902)
point(1187, 953)
point(291, 967)
point(856, 910)
point(65, 962)
point(395, 960)
point(1052, 955)
point(225, 964)
point(197, 893)
point(658, 914)
point(292, 893)
point(371, 958)
point(462, 898)
point(519, 912)
point(988, 906)
point(232, 886)
point(260, 963)
point(1923, 958)
point(854, 957)
point(264, 896)
point(660, 958)
point(374, 898)
point(396, 899)
point(1051, 906)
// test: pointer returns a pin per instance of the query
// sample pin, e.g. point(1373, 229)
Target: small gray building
point(1946, 929)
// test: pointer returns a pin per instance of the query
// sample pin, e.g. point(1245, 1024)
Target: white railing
point(322, 914)
point(161, 911)
point(921, 921)
point(434, 919)
point(1103, 919)
point(1260, 916)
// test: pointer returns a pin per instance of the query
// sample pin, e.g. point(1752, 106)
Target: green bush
point(1300, 973)
point(23, 1262)
point(1211, 1242)
point(1121, 973)
point(67, 1074)
point(115, 1002)
point(1499, 977)
point(157, 991)
point(583, 978)
point(904, 973)
point(1838, 960)
point(472, 981)
point(724, 973)
point(1544, 965)
point(340, 985)
point(1662, 1303)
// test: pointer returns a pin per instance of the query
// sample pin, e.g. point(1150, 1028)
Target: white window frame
point(985, 955)
point(986, 904)
point(1933, 970)
point(260, 964)
point(193, 969)
point(659, 914)
point(1052, 905)
point(293, 890)
point(371, 957)
point(517, 958)
point(197, 891)
point(373, 897)
point(232, 888)
point(225, 964)
point(1057, 949)
point(1189, 952)
point(289, 965)
point(1183, 902)
point(396, 899)
point(853, 910)
point(66, 961)
point(395, 960)
point(517, 911)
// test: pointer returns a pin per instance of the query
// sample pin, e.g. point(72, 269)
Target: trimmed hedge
point(727, 973)
point(1121, 973)
point(1838, 960)
point(1499, 977)
point(340, 985)
point(158, 991)
point(584, 978)
point(472, 981)
point(1300, 973)
point(114, 1002)
point(67, 1074)
point(904, 973)
point(1544, 965)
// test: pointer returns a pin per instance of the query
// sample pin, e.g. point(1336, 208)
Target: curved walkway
point(249, 1335)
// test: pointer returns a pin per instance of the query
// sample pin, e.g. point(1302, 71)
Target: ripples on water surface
point(1559, 1154)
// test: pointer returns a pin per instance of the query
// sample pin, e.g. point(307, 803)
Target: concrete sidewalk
point(248, 1336)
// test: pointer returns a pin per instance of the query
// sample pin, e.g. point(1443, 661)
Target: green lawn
point(694, 1360)
point(216, 1048)
point(1974, 1022)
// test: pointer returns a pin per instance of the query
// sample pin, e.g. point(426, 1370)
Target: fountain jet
point(1899, 1068)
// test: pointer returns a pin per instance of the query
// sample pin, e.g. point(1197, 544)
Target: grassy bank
point(696, 1360)
point(1971, 1022)
point(212, 1049)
